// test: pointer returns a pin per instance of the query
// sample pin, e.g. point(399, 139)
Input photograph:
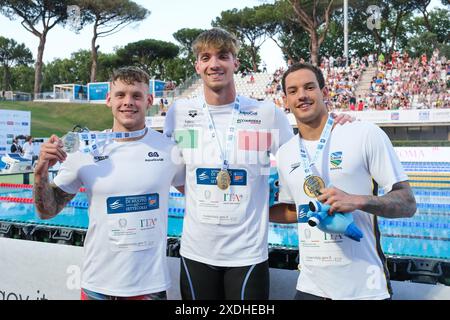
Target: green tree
point(109, 17)
point(185, 37)
point(64, 71)
point(107, 63)
point(253, 26)
point(314, 17)
point(45, 13)
point(149, 54)
point(12, 54)
point(246, 61)
point(421, 40)
point(22, 78)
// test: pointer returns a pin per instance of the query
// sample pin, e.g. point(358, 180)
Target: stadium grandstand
point(399, 83)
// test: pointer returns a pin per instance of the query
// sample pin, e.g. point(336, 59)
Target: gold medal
point(312, 186)
point(223, 179)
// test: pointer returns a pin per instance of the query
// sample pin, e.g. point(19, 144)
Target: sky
point(167, 17)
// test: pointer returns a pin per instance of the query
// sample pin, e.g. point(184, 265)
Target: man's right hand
point(51, 152)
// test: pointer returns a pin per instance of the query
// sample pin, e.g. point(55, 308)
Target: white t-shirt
point(28, 150)
point(227, 228)
point(125, 245)
point(333, 266)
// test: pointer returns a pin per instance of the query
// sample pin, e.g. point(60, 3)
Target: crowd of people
point(406, 83)
point(399, 82)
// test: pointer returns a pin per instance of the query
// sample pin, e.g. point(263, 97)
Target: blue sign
point(208, 176)
point(98, 90)
point(157, 87)
point(80, 92)
point(129, 204)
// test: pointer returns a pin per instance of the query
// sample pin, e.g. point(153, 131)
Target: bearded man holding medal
point(340, 166)
point(225, 139)
point(127, 173)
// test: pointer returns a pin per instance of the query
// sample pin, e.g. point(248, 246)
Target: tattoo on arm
point(398, 203)
point(48, 198)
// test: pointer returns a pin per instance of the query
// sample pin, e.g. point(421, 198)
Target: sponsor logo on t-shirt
point(192, 113)
point(336, 160)
point(129, 204)
point(248, 113)
point(302, 213)
point(208, 176)
point(100, 158)
point(153, 156)
point(232, 197)
point(295, 166)
point(249, 121)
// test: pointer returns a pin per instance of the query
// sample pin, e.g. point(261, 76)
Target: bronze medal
point(223, 179)
point(312, 186)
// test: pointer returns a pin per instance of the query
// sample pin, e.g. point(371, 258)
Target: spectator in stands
point(264, 67)
point(28, 149)
point(161, 106)
point(16, 147)
point(360, 105)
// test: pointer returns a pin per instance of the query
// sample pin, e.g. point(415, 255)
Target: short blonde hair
point(216, 38)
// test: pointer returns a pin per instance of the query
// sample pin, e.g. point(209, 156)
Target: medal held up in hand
point(71, 142)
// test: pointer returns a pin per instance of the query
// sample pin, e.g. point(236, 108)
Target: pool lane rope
point(24, 186)
point(75, 204)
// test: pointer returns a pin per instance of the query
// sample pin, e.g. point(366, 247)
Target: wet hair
point(130, 75)
point(300, 66)
point(216, 38)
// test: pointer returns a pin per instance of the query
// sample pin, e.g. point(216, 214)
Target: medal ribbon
point(325, 135)
point(230, 135)
point(92, 142)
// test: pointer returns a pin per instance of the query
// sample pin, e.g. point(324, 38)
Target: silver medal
point(71, 142)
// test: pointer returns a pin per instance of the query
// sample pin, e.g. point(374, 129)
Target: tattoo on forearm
point(397, 203)
point(48, 198)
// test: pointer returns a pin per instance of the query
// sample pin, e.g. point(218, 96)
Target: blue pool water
point(426, 235)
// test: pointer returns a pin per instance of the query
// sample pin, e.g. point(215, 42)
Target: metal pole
point(346, 32)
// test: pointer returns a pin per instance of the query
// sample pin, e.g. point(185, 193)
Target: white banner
point(391, 117)
point(419, 116)
point(12, 124)
point(31, 270)
point(423, 154)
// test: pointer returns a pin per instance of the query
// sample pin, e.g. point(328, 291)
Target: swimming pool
point(426, 235)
